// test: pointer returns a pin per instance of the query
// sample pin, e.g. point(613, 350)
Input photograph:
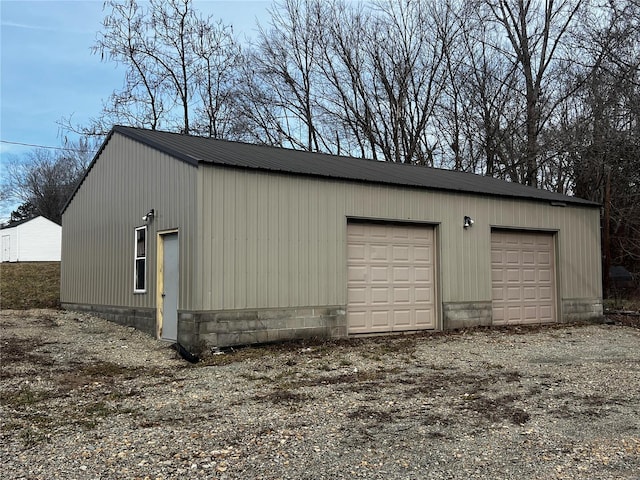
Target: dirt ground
point(85, 398)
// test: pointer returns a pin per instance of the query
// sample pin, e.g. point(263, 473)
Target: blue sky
point(48, 72)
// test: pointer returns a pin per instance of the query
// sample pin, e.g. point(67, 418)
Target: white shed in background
point(34, 240)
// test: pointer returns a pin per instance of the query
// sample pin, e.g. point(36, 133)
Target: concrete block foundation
point(202, 331)
point(143, 319)
point(466, 314)
point(582, 310)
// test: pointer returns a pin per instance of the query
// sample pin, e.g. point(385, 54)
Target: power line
point(44, 146)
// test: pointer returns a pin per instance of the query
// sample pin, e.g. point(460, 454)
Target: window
point(140, 265)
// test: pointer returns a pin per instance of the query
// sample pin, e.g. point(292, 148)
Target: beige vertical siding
point(98, 226)
point(272, 240)
point(253, 239)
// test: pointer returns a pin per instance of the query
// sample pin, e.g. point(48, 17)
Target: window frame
point(140, 260)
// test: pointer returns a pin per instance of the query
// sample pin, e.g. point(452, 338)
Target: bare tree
point(286, 61)
point(348, 74)
point(44, 180)
point(606, 128)
point(486, 84)
point(384, 63)
point(169, 49)
point(141, 102)
point(534, 32)
point(217, 78)
point(409, 76)
point(178, 67)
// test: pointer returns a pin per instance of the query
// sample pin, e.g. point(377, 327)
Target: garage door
point(522, 277)
point(390, 278)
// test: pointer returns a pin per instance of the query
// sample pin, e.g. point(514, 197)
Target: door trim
point(160, 277)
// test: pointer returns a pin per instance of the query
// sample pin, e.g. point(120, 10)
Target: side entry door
point(169, 293)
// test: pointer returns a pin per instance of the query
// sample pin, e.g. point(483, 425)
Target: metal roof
point(203, 150)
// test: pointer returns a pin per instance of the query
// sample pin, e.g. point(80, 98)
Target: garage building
point(214, 243)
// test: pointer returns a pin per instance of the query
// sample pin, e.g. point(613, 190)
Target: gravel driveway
point(83, 398)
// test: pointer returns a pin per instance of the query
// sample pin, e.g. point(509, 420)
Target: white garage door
point(390, 278)
point(522, 277)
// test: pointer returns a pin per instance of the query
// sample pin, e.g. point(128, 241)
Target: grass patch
point(107, 373)
point(499, 409)
point(109, 370)
point(26, 285)
point(21, 350)
point(24, 397)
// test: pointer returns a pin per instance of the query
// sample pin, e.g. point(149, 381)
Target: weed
point(435, 435)
point(374, 357)
point(150, 424)
point(368, 413)
point(499, 409)
point(437, 368)
point(110, 369)
point(255, 377)
point(32, 436)
point(96, 373)
point(431, 419)
point(596, 400)
point(628, 304)
point(593, 405)
point(286, 397)
point(625, 320)
point(285, 374)
point(492, 366)
point(534, 390)
point(25, 397)
point(236, 354)
point(9, 426)
point(97, 409)
point(325, 367)
point(121, 395)
point(509, 376)
point(21, 349)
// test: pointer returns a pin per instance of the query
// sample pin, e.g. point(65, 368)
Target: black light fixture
point(468, 221)
point(150, 214)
